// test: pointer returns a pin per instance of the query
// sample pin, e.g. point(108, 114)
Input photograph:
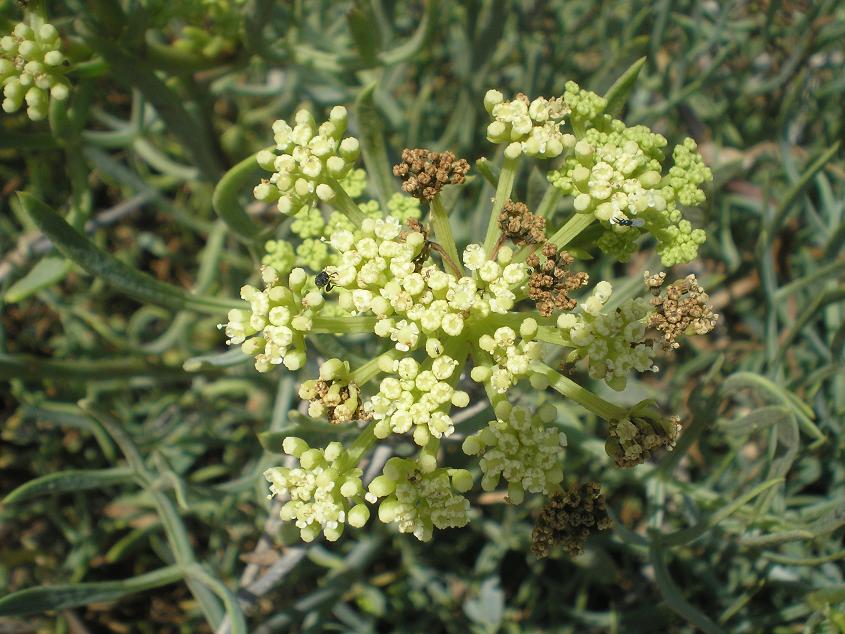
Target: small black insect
point(324, 279)
point(627, 222)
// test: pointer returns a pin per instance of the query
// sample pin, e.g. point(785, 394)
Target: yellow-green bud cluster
point(615, 172)
point(585, 107)
point(613, 343)
point(528, 127)
point(354, 183)
point(512, 355)
point(309, 162)
point(279, 256)
point(326, 491)
point(416, 398)
point(521, 448)
point(403, 207)
point(273, 329)
point(31, 69)
point(419, 497)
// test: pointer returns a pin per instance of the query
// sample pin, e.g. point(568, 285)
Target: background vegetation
point(130, 449)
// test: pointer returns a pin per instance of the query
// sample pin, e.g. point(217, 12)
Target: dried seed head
point(633, 440)
point(424, 173)
point(521, 226)
point(568, 518)
point(682, 309)
point(338, 401)
point(551, 281)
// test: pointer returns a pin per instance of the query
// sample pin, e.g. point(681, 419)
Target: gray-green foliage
point(131, 452)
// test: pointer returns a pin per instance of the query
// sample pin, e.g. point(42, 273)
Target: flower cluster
point(568, 519)
point(416, 397)
point(32, 69)
point(613, 343)
point(615, 173)
point(529, 127)
point(325, 491)
point(510, 356)
point(310, 161)
point(273, 328)
point(419, 497)
point(521, 448)
point(433, 309)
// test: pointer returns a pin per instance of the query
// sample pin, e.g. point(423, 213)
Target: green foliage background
point(130, 454)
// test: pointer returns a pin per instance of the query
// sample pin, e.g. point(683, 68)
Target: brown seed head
point(682, 309)
point(424, 173)
point(551, 281)
point(568, 518)
point(521, 226)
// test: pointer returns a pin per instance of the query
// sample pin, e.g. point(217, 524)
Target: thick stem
point(549, 202)
point(568, 232)
point(584, 397)
point(344, 204)
point(443, 231)
point(503, 192)
point(563, 236)
point(343, 325)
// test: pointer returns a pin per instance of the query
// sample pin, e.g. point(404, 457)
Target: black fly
point(627, 222)
point(324, 279)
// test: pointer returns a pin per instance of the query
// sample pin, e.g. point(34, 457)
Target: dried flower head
point(568, 518)
point(424, 173)
point(632, 440)
point(551, 281)
point(682, 309)
point(334, 394)
point(521, 226)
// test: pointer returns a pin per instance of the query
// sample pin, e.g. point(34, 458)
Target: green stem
point(549, 201)
point(503, 192)
point(584, 397)
point(568, 232)
point(344, 204)
point(364, 441)
point(343, 325)
point(369, 369)
point(443, 231)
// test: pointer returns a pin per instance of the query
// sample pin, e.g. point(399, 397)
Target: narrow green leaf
point(47, 271)
point(101, 264)
point(360, 21)
point(617, 94)
point(687, 535)
point(24, 366)
point(674, 597)
point(373, 149)
point(68, 481)
point(226, 197)
point(137, 73)
point(791, 196)
point(61, 597)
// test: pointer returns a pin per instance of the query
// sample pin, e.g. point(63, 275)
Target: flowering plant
point(490, 315)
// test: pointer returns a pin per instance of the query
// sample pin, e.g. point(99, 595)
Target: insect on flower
point(324, 279)
point(627, 222)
